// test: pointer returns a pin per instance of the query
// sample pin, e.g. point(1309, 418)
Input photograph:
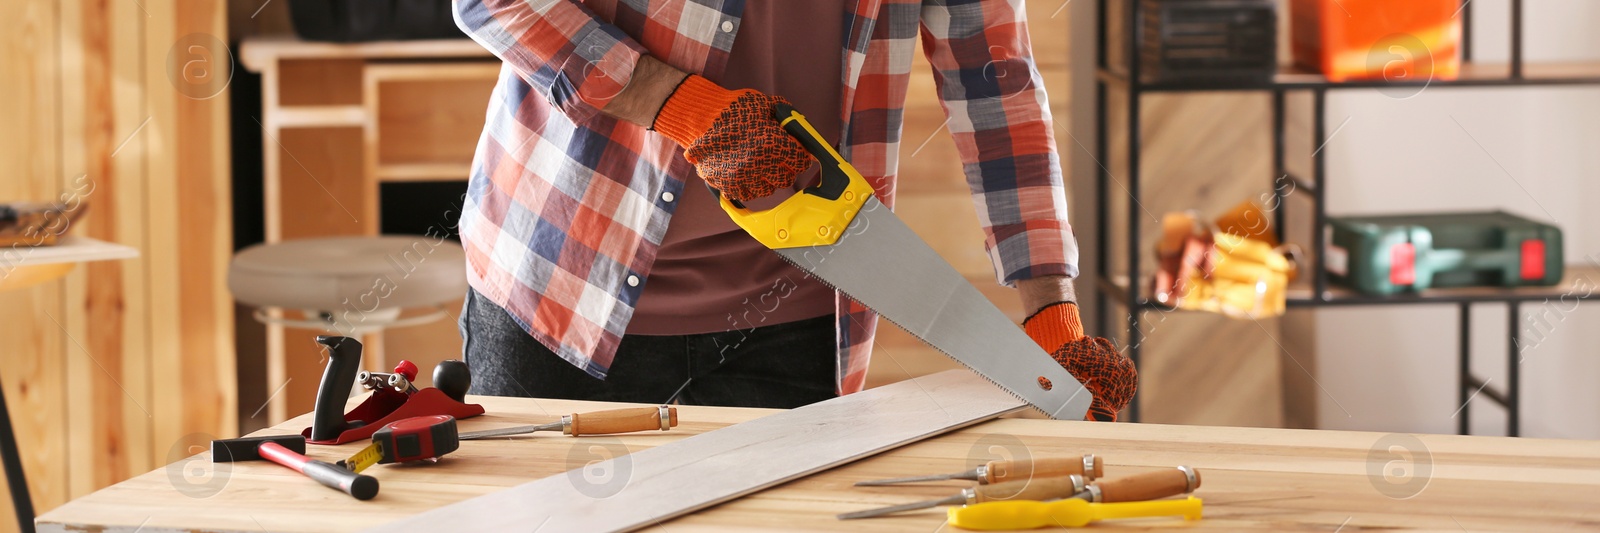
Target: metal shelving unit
point(1315, 292)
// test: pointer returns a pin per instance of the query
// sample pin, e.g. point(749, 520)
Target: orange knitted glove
point(1108, 374)
point(732, 138)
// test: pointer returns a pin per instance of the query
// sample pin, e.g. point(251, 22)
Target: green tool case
point(1394, 254)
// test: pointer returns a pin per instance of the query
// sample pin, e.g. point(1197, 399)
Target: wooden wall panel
point(196, 176)
point(32, 346)
point(109, 367)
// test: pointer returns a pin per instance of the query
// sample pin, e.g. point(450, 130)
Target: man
point(600, 266)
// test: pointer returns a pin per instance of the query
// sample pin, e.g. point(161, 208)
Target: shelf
point(69, 249)
point(1472, 75)
point(22, 267)
point(408, 172)
point(312, 116)
point(1581, 282)
point(259, 51)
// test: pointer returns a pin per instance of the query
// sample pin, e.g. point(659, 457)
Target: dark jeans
point(781, 366)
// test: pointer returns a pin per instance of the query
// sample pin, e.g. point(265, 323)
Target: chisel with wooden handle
point(1089, 466)
point(596, 423)
point(1141, 487)
point(1027, 489)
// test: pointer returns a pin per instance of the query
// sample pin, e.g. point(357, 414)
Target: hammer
point(289, 451)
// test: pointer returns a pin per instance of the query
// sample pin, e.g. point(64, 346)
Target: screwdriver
point(419, 438)
point(1028, 489)
point(1090, 467)
point(1065, 513)
point(1146, 486)
point(596, 423)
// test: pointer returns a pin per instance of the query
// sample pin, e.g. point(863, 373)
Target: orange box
point(1404, 40)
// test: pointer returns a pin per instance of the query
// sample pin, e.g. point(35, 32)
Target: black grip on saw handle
point(834, 179)
point(344, 359)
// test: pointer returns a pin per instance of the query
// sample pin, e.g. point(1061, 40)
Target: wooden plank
point(104, 374)
point(405, 172)
point(311, 116)
point(321, 81)
point(258, 52)
point(165, 329)
point(88, 80)
point(204, 369)
point(668, 481)
point(429, 120)
point(31, 366)
point(433, 71)
point(1255, 479)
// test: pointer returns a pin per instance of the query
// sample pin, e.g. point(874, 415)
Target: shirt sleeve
point(998, 113)
point(573, 58)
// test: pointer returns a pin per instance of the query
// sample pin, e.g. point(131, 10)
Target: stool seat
point(335, 274)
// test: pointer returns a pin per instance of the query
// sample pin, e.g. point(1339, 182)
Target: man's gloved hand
point(732, 138)
point(1103, 370)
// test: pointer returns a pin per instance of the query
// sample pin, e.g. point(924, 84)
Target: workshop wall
point(1526, 150)
point(113, 370)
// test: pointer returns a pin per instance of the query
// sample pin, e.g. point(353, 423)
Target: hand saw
point(841, 234)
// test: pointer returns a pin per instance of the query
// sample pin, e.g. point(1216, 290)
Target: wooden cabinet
point(339, 121)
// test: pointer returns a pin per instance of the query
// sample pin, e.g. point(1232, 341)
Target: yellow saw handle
point(818, 215)
point(1022, 514)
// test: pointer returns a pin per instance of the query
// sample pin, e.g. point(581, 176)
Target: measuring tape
point(413, 439)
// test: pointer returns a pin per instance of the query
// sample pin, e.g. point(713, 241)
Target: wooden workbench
point(1254, 479)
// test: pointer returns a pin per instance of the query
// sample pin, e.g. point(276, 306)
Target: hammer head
point(248, 448)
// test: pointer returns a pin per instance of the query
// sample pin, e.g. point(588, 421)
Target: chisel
point(1028, 489)
point(1141, 487)
point(596, 423)
point(1090, 467)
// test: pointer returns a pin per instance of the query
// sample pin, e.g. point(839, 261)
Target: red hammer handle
point(362, 487)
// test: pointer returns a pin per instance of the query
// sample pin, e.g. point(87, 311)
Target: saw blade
point(881, 263)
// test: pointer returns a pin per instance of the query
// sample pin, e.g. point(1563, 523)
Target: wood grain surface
point(1255, 479)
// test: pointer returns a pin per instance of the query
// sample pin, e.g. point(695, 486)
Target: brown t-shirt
point(709, 275)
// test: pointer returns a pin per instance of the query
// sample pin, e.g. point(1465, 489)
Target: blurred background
point(152, 140)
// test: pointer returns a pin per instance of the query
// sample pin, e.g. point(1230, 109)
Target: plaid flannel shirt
point(566, 206)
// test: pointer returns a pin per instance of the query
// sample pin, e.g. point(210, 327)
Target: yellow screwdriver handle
point(1003, 515)
point(996, 516)
point(1188, 508)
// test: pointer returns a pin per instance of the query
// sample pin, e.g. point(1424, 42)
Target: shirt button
point(668, 197)
point(633, 281)
point(727, 26)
